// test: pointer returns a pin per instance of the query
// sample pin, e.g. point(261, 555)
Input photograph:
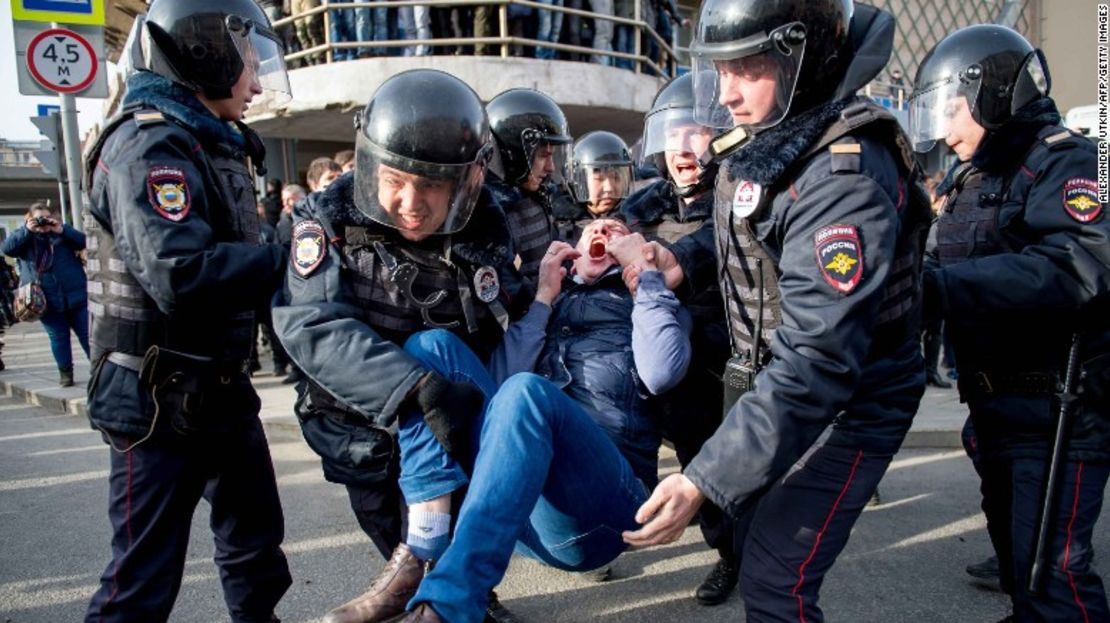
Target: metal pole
point(72, 155)
point(637, 14)
point(503, 27)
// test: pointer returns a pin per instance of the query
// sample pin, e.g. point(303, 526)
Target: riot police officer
point(599, 177)
point(669, 209)
point(1023, 247)
point(406, 242)
point(818, 226)
point(532, 139)
point(175, 267)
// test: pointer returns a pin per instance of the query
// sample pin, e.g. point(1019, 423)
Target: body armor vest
point(968, 225)
point(123, 318)
point(533, 229)
point(395, 315)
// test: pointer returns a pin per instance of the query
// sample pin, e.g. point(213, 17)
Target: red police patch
point(839, 256)
point(1081, 199)
point(168, 192)
point(309, 247)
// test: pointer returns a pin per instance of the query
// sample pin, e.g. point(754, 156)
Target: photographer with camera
point(47, 254)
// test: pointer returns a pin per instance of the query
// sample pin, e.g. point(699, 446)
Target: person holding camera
point(47, 254)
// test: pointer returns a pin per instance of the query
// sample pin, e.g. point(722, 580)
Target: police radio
point(740, 370)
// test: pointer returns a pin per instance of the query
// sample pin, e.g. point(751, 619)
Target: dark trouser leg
point(381, 514)
point(1072, 590)
point(798, 529)
point(247, 523)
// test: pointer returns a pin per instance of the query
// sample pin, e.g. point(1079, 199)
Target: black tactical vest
point(533, 229)
point(122, 317)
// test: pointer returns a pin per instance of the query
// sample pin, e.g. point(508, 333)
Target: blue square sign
point(45, 110)
point(87, 12)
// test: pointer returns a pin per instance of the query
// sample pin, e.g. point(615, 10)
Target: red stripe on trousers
point(130, 539)
point(1067, 545)
point(817, 543)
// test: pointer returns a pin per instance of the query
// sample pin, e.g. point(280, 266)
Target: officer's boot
point(65, 377)
point(388, 593)
point(932, 356)
point(497, 613)
point(720, 582)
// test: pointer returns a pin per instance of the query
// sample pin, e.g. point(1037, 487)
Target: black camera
point(42, 221)
point(738, 379)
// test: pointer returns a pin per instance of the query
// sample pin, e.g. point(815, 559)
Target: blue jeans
point(58, 325)
point(623, 44)
point(358, 25)
point(547, 481)
point(550, 25)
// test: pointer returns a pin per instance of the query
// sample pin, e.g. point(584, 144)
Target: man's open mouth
point(597, 248)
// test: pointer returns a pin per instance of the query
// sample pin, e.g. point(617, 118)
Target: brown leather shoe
point(422, 614)
point(388, 593)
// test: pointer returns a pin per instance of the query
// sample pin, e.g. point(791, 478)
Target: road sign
point(45, 110)
point(86, 12)
point(56, 61)
point(49, 153)
point(62, 60)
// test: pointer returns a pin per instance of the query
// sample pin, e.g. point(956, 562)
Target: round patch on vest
point(168, 192)
point(746, 199)
point(839, 256)
point(486, 285)
point(309, 247)
point(1081, 199)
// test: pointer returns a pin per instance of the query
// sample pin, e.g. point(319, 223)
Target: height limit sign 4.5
point(62, 60)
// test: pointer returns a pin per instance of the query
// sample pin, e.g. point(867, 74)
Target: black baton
point(1043, 526)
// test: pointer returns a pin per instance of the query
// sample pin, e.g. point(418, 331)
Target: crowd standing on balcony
point(491, 333)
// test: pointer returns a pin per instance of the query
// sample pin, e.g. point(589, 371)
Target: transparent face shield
point(131, 58)
point(936, 110)
point(673, 130)
point(414, 197)
point(601, 186)
point(548, 160)
point(748, 84)
point(263, 55)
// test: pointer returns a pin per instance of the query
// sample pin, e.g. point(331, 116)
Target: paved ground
point(904, 562)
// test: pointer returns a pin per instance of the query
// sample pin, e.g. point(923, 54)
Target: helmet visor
point(751, 86)
point(938, 109)
point(673, 130)
point(548, 162)
point(264, 56)
point(601, 186)
point(414, 197)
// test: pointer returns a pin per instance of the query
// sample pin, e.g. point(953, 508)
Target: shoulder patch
point(309, 247)
point(839, 256)
point(149, 117)
point(486, 285)
point(168, 192)
point(1081, 199)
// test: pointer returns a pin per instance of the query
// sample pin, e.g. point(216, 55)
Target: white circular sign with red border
point(62, 60)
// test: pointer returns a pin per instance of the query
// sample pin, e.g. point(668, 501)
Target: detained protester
point(667, 210)
point(1022, 241)
point(599, 177)
point(565, 455)
point(532, 138)
point(818, 225)
point(406, 242)
point(175, 268)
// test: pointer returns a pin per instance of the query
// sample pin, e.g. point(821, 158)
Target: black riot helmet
point(600, 170)
point(992, 67)
point(670, 127)
point(800, 44)
point(206, 45)
point(421, 150)
point(521, 121)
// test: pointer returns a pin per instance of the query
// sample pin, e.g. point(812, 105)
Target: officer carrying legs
point(175, 267)
point(532, 139)
point(1023, 245)
point(406, 242)
point(818, 229)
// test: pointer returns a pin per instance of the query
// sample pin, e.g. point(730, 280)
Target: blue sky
point(17, 109)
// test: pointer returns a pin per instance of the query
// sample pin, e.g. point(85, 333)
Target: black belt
point(991, 383)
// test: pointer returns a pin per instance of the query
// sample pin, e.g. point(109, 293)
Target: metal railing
point(667, 65)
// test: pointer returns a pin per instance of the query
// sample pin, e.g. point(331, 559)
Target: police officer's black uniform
point(523, 120)
point(357, 290)
point(175, 268)
point(1023, 245)
point(818, 228)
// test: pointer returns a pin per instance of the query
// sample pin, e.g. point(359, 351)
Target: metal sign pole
point(72, 140)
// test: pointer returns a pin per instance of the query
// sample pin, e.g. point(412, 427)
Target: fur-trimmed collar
point(173, 100)
point(650, 204)
point(1005, 149)
point(772, 151)
point(485, 241)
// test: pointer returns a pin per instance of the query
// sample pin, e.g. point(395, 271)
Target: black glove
point(450, 409)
